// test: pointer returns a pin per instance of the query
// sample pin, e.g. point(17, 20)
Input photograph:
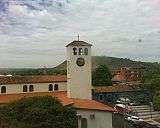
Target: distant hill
point(111, 62)
point(31, 71)
point(115, 63)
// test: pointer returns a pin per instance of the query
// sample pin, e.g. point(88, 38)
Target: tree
point(101, 76)
point(153, 73)
point(37, 112)
point(156, 102)
point(152, 83)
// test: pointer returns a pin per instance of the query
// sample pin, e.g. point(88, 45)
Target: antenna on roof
point(78, 37)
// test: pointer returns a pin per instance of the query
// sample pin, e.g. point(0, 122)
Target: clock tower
point(79, 70)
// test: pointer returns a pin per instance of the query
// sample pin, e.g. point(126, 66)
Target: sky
point(33, 33)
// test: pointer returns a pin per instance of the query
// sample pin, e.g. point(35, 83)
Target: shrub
point(37, 112)
point(101, 76)
point(157, 102)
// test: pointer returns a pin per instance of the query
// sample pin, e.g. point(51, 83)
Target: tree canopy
point(152, 83)
point(37, 112)
point(101, 76)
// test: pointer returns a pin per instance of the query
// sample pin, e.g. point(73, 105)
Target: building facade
point(127, 74)
point(79, 70)
point(28, 84)
point(95, 119)
point(111, 94)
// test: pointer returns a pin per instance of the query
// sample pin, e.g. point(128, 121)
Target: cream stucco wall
point(103, 119)
point(38, 87)
point(78, 78)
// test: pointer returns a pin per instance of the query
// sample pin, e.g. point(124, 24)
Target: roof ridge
point(78, 43)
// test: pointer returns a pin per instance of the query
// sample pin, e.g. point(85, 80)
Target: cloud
point(25, 12)
point(35, 29)
point(19, 10)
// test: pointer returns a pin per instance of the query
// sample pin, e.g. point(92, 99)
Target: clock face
point(80, 62)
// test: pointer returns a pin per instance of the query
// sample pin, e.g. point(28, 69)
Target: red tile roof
point(117, 88)
point(32, 79)
point(62, 96)
point(91, 104)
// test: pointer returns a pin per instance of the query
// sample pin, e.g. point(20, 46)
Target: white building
point(76, 91)
point(25, 84)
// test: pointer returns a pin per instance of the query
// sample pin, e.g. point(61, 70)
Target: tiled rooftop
point(62, 96)
point(32, 79)
point(117, 88)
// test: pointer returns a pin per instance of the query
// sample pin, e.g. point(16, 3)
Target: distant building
point(110, 94)
point(127, 74)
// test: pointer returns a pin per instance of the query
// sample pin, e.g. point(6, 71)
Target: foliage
point(37, 112)
point(154, 73)
point(101, 76)
point(152, 83)
point(156, 102)
point(30, 71)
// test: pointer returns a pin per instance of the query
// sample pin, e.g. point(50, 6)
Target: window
point(3, 89)
point(74, 51)
point(83, 123)
point(109, 98)
point(86, 51)
point(31, 88)
point(100, 97)
point(50, 87)
point(25, 88)
point(56, 87)
point(80, 51)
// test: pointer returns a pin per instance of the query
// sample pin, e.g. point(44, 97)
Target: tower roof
point(78, 43)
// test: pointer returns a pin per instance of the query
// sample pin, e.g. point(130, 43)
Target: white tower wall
point(78, 77)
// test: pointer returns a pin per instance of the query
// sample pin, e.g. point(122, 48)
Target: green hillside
point(116, 63)
point(111, 62)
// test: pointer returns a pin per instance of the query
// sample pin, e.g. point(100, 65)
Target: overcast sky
point(33, 33)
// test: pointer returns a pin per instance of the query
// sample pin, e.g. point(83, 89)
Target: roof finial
point(78, 37)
